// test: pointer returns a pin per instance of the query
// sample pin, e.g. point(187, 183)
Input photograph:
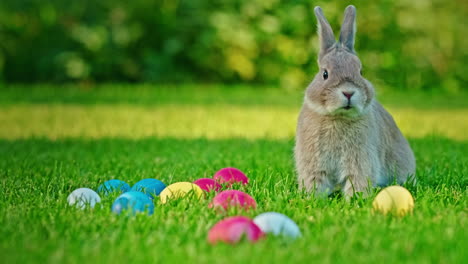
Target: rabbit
point(345, 140)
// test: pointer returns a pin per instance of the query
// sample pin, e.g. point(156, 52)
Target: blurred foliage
point(408, 44)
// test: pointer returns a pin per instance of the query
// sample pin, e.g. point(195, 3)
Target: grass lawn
point(56, 139)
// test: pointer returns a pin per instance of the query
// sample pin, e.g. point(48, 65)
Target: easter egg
point(133, 202)
point(277, 224)
point(151, 187)
point(114, 185)
point(208, 184)
point(229, 176)
point(83, 197)
point(394, 200)
point(179, 190)
point(233, 198)
point(232, 229)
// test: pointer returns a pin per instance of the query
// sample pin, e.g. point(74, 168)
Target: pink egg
point(233, 198)
point(230, 176)
point(208, 184)
point(232, 229)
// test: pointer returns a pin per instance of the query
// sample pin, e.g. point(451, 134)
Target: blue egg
point(277, 224)
point(150, 187)
point(114, 185)
point(133, 202)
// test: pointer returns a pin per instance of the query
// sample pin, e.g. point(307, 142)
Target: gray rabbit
point(345, 139)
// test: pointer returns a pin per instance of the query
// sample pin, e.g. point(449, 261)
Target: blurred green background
point(404, 44)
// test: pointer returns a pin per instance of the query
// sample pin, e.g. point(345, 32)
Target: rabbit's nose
point(348, 95)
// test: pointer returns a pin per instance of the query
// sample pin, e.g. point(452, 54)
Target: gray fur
point(325, 32)
point(348, 28)
point(344, 148)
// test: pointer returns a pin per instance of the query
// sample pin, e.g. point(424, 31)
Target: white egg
point(83, 197)
point(277, 224)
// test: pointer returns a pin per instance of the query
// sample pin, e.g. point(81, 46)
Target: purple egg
point(232, 229)
point(233, 198)
point(208, 184)
point(229, 176)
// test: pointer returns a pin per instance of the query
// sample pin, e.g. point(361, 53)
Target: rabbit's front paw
point(318, 183)
point(354, 185)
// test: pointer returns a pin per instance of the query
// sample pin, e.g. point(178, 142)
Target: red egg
point(232, 229)
point(230, 176)
point(208, 184)
point(233, 198)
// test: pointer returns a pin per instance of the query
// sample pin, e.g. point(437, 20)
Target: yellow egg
point(179, 190)
point(394, 200)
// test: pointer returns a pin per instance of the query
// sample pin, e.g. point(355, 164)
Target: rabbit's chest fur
point(329, 151)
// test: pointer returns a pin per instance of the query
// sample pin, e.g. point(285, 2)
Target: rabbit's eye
point(325, 74)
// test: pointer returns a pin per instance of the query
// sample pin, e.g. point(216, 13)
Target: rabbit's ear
point(348, 28)
point(325, 32)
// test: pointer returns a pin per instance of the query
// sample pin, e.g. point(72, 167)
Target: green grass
point(210, 94)
point(65, 138)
